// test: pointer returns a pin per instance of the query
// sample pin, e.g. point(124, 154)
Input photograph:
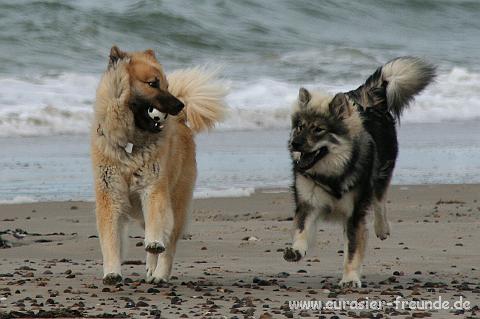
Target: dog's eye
point(154, 84)
point(318, 130)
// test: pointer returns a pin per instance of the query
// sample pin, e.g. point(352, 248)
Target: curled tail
point(203, 95)
point(395, 84)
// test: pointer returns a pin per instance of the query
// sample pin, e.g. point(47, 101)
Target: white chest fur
point(340, 209)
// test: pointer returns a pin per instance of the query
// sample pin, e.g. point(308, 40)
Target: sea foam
point(63, 104)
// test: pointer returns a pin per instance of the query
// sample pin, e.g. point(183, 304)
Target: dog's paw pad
point(291, 255)
point(350, 284)
point(383, 236)
point(160, 281)
point(382, 230)
point(350, 281)
point(112, 279)
point(154, 247)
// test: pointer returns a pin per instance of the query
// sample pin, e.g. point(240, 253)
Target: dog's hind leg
point(151, 265)
point(355, 233)
point(381, 225)
point(137, 214)
point(305, 230)
point(163, 266)
point(181, 199)
point(123, 230)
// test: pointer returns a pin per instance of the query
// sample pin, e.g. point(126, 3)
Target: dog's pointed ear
point(151, 54)
point(115, 55)
point(303, 97)
point(340, 107)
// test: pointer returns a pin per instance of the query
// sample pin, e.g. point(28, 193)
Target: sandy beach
point(230, 264)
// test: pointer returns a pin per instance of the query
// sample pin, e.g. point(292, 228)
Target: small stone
point(153, 290)
point(142, 304)
point(176, 301)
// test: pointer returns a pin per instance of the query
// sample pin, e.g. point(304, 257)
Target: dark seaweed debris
point(4, 243)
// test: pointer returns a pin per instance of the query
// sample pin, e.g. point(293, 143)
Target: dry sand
point(55, 262)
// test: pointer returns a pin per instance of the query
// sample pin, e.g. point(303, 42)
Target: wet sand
point(54, 261)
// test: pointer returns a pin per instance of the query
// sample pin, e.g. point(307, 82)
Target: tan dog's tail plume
point(203, 95)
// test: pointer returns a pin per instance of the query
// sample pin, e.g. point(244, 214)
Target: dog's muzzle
point(304, 161)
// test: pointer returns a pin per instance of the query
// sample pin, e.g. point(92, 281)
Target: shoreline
point(59, 167)
point(245, 193)
point(432, 252)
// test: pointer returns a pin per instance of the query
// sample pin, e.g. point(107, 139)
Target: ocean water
point(52, 54)
point(231, 163)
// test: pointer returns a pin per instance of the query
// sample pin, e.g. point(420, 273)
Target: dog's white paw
point(297, 251)
point(152, 279)
point(154, 247)
point(159, 275)
point(351, 280)
point(112, 279)
point(292, 255)
point(382, 229)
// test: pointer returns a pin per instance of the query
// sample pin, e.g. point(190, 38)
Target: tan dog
point(143, 154)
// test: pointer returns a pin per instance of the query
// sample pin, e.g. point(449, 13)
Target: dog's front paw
point(112, 279)
point(382, 229)
point(292, 255)
point(351, 280)
point(154, 247)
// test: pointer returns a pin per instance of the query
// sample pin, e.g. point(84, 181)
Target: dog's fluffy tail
point(396, 83)
point(203, 95)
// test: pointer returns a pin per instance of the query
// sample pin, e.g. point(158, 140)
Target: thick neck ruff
point(114, 122)
point(337, 186)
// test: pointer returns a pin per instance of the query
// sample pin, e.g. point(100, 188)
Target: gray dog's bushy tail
point(396, 83)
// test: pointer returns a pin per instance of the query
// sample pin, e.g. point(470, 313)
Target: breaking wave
point(63, 104)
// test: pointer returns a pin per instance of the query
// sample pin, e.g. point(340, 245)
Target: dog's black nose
point(296, 145)
point(179, 106)
point(175, 107)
